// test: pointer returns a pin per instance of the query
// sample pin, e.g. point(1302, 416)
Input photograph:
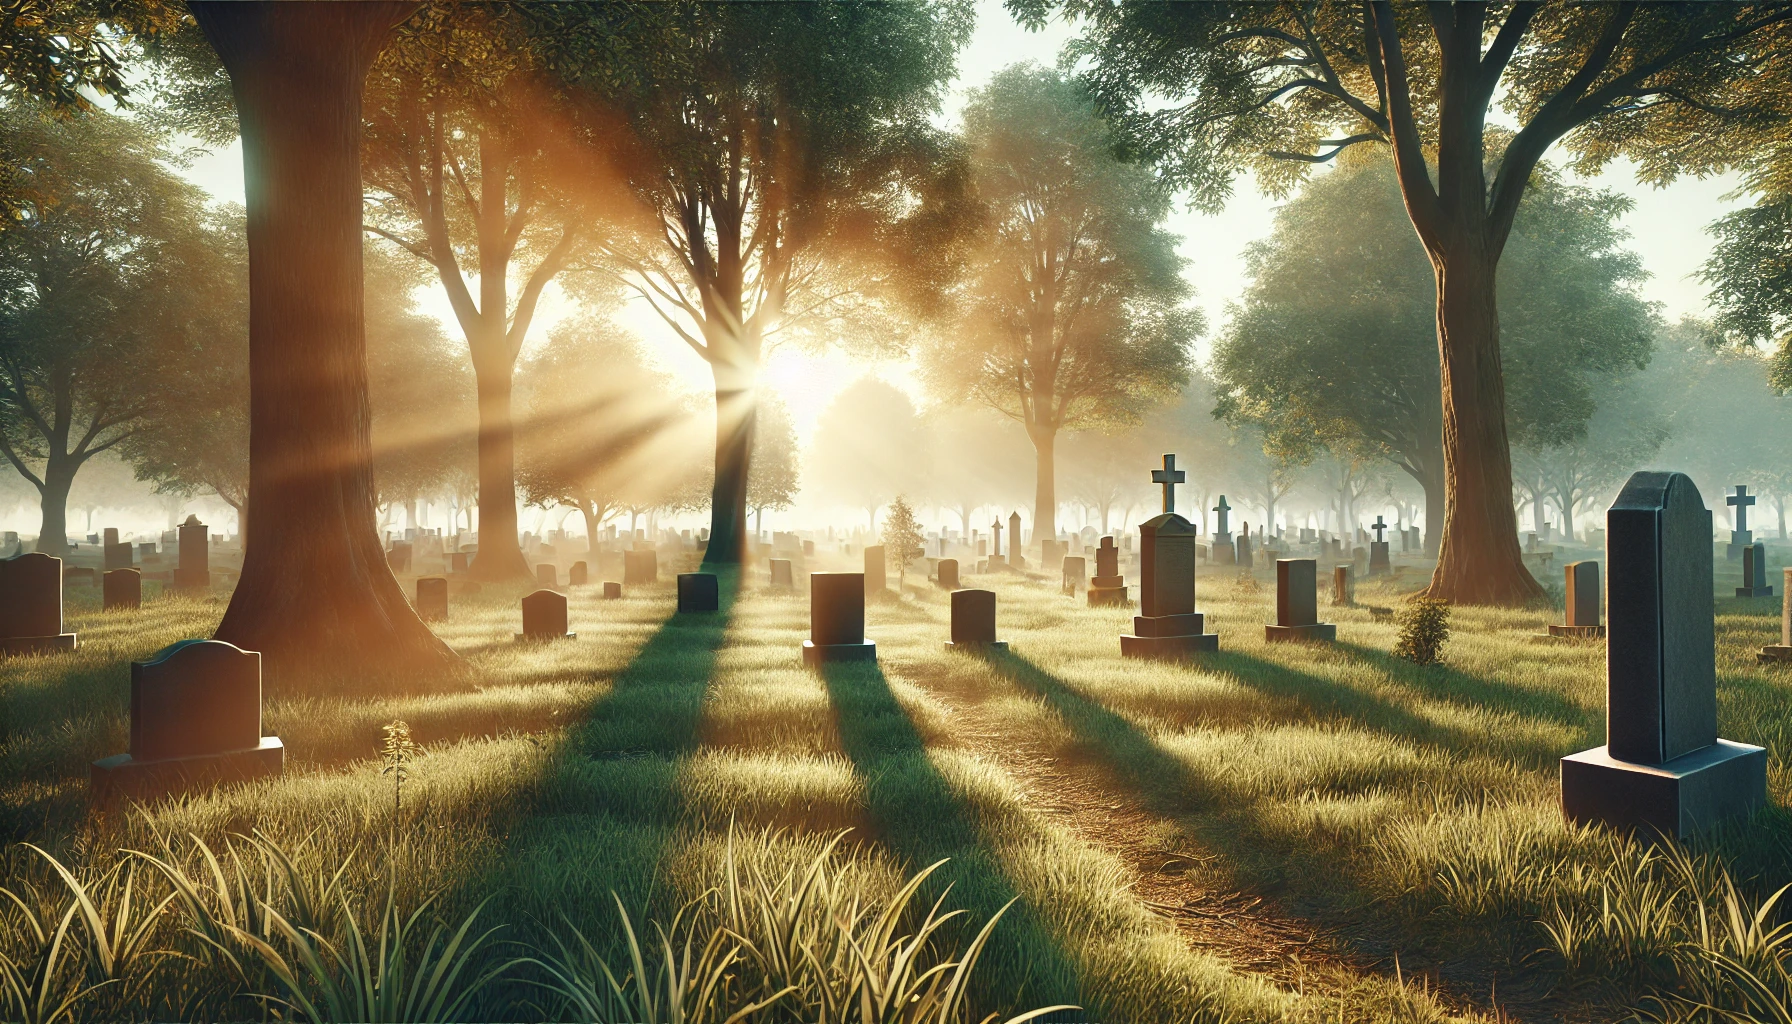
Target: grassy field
point(1275, 832)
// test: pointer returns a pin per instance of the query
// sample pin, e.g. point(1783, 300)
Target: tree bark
point(736, 413)
point(315, 589)
point(59, 478)
point(1045, 485)
point(500, 558)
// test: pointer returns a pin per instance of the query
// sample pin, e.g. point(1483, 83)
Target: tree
point(977, 457)
point(1209, 89)
point(315, 585)
point(1332, 347)
point(1750, 271)
point(902, 538)
point(869, 446)
point(458, 162)
point(604, 432)
point(773, 481)
point(782, 158)
point(1074, 314)
point(114, 275)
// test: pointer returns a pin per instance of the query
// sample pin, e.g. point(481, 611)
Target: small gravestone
point(874, 570)
point(640, 567)
point(1242, 554)
point(612, 590)
point(1297, 603)
point(1107, 586)
point(1782, 651)
point(432, 599)
point(974, 620)
point(948, 573)
point(31, 605)
point(457, 561)
point(399, 558)
point(547, 575)
point(1741, 537)
point(122, 589)
point(1379, 564)
point(1014, 542)
point(1168, 626)
point(1581, 593)
point(1221, 550)
point(699, 592)
point(782, 576)
point(837, 619)
point(194, 571)
point(195, 720)
point(1344, 585)
point(544, 616)
point(117, 555)
point(1359, 559)
point(1754, 572)
point(1076, 571)
point(1663, 768)
point(578, 575)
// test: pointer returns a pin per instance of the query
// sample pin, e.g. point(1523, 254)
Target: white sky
point(1667, 230)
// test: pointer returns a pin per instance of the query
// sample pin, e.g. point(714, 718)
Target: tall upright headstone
point(1343, 585)
point(1378, 550)
point(195, 569)
point(1297, 603)
point(1741, 537)
point(1221, 550)
point(947, 571)
point(1782, 651)
point(1168, 625)
point(1242, 554)
point(875, 583)
point(1754, 572)
point(1015, 558)
point(1663, 767)
point(1581, 590)
point(31, 605)
point(837, 619)
point(1107, 586)
point(974, 620)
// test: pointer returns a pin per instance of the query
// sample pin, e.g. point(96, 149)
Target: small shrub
point(1424, 629)
point(1245, 584)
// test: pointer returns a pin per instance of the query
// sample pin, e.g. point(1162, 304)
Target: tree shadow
point(1441, 681)
point(922, 819)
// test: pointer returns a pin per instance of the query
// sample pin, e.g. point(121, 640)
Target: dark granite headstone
point(117, 555)
point(194, 571)
point(544, 616)
point(1297, 603)
point(432, 598)
point(874, 570)
point(837, 619)
point(31, 605)
point(948, 573)
point(782, 576)
point(699, 592)
point(974, 619)
point(122, 589)
point(640, 567)
point(1581, 589)
point(195, 720)
point(1168, 625)
point(578, 575)
point(1754, 572)
point(1663, 767)
point(612, 590)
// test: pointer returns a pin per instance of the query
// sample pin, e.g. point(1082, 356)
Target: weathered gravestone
point(1378, 550)
point(544, 616)
point(1242, 554)
point(1014, 542)
point(1581, 593)
point(1663, 767)
point(1052, 554)
point(121, 589)
point(837, 619)
point(457, 561)
point(808, 549)
point(782, 576)
point(948, 573)
point(432, 599)
point(699, 592)
point(1075, 574)
point(612, 590)
point(547, 575)
point(1782, 651)
point(1359, 559)
point(31, 605)
point(1754, 572)
point(640, 567)
point(1343, 585)
point(1221, 550)
point(195, 721)
point(194, 571)
point(117, 555)
point(399, 557)
point(874, 570)
point(995, 536)
point(1168, 626)
point(578, 575)
point(974, 620)
point(1741, 537)
point(1107, 586)
point(1297, 603)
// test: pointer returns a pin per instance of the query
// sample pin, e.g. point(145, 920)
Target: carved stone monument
point(1297, 603)
point(1168, 626)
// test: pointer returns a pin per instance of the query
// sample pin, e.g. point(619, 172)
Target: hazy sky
point(1667, 229)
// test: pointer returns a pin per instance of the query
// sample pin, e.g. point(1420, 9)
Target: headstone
point(1297, 603)
point(612, 590)
point(1754, 572)
point(31, 605)
point(1359, 557)
point(874, 570)
point(1530, 543)
point(974, 620)
point(808, 549)
point(948, 573)
point(432, 598)
point(1242, 555)
point(544, 616)
point(1344, 585)
point(1107, 586)
point(1014, 542)
point(457, 561)
point(194, 571)
point(1782, 651)
point(699, 592)
point(1168, 625)
point(547, 575)
point(1741, 537)
point(1581, 590)
point(1051, 554)
point(782, 577)
point(578, 575)
point(399, 558)
point(122, 589)
point(1378, 550)
point(195, 720)
point(995, 534)
point(1663, 767)
point(115, 554)
point(1075, 574)
point(837, 619)
point(640, 567)
point(146, 551)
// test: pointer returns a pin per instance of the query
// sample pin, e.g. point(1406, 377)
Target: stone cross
point(1742, 500)
point(995, 531)
point(1378, 527)
point(1222, 508)
point(1169, 477)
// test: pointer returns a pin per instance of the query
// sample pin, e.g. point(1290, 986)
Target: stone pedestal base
point(122, 776)
point(815, 654)
point(1773, 653)
point(544, 637)
point(976, 645)
point(1102, 597)
point(37, 644)
point(1168, 647)
point(1316, 631)
point(1754, 591)
point(1578, 632)
point(1692, 791)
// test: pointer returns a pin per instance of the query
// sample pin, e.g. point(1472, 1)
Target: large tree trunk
point(736, 414)
point(59, 478)
point(1479, 561)
point(315, 587)
point(500, 557)
point(1045, 485)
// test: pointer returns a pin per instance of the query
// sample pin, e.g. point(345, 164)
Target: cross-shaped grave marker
point(1169, 477)
point(1742, 500)
point(1378, 527)
point(1222, 508)
point(996, 532)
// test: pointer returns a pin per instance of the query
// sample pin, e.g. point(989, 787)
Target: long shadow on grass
point(924, 820)
point(1443, 682)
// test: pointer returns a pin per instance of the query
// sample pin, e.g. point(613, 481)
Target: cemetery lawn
point(1274, 832)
